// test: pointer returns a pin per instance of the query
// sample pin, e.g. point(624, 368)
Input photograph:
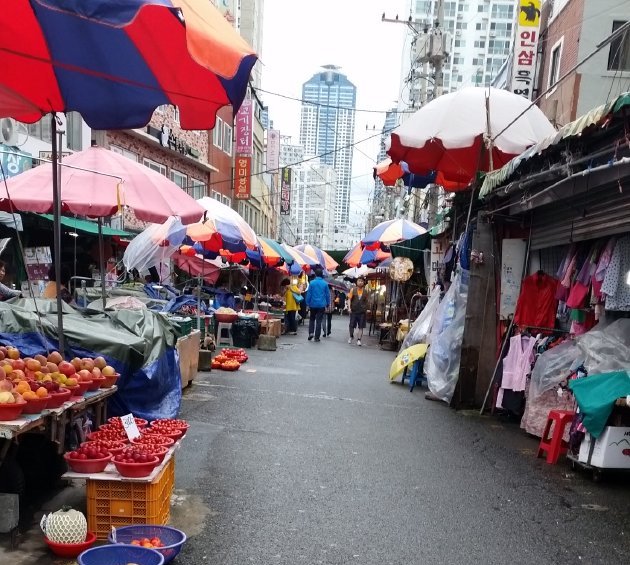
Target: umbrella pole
point(57, 230)
point(101, 256)
point(203, 262)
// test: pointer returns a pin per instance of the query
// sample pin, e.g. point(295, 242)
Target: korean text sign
point(245, 128)
point(285, 192)
point(243, 178)
point(525, 48)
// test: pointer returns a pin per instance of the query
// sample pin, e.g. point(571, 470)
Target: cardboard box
point(271, 327)
point(610, 451)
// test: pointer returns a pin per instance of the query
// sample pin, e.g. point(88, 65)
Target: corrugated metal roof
point(573, 129)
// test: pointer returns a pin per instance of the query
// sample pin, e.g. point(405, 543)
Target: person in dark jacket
point(317, 299)
point(358, 302)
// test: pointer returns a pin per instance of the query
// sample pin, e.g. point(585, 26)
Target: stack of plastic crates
point(125, 503)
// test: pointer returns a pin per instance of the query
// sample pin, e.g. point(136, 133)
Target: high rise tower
point(327, 128)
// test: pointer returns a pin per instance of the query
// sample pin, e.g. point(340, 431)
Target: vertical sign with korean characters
point(285, 192)
point(273, 150)
point(243, 178)
point(245, 128)
point(525, 47)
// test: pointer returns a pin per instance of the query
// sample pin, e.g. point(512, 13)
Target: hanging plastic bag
point(421, 329)
point(443, 358)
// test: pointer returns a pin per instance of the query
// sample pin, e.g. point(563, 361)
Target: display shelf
point(111, 474)
point(26, 422)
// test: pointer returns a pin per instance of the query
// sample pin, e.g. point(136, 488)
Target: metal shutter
point(594, 214)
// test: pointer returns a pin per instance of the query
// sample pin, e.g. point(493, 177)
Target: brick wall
point(560, 105)
point(221, 181)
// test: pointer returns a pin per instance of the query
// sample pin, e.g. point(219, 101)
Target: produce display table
point(55, 419)
point(188, 349)
point(116, 501)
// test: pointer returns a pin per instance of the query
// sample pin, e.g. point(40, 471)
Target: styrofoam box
point(611, 451)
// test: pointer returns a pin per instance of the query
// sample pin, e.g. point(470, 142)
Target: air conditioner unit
point(458, 33)
point(460, 16)
point(492, 34)
point(8, 131)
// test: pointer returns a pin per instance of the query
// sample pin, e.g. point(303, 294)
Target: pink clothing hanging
point(517, 365)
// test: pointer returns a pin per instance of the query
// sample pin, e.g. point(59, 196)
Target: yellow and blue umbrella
point(406, 358)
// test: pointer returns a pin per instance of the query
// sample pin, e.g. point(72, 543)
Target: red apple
point(96, 372)
point(33, 364)
point(44, 370)
point(18, 364)
point(87, 363)
point(3, 374)
point(100, 363)
point(76, 363)
point(13, 353)
point(41, 358)
point(67, 369)
point(52, 367)
point(55, 357)
point(3, 350)
point(18, 375)
point(30, 374)
point(84, 375)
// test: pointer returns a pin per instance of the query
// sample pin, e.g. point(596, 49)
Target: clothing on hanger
point(537, 304)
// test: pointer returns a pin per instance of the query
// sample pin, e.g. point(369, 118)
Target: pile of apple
point(36, 377)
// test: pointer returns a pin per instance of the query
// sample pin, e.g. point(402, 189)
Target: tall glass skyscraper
point(327, 128)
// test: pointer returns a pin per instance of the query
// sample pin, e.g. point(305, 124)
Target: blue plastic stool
point(416, 374)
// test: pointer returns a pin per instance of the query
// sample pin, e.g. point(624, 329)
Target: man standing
point(317, 299)
point(358, 306)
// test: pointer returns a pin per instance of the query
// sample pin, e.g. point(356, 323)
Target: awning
point(412, 248)
point(572, 129)
point(86, 226)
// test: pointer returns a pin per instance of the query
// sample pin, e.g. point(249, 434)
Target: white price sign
point(130, 426)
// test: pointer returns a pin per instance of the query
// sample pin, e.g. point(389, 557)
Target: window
point(505, 11)
point(155, 166)
point(227, 201)
point(41, 129)
point(460, 43)
point(462, 25)
point(216, 195)
point(197, 189)
point(74, 127)
point(619, 55)
point(217, 134)
point(481, 44)
point(554, 64)
point(227, 139)
point(124, 152)
point(180, 179)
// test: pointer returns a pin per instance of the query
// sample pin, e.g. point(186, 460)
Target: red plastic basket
point(87, 465)
point(71, 550)
point(110, 380)
point(84, 386)
point(36, 405)
point(96, 383)
point(10, 412)
point(136, 470)
point(57, 398)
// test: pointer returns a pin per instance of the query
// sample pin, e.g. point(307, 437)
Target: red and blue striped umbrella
point(362, 256)
point(325, 261)
point(116, 62)
point(392, 231)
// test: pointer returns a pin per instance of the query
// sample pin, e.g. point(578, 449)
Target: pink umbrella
point(197, 266)
point(97, 183)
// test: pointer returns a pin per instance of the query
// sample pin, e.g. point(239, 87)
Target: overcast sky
point(299, 36)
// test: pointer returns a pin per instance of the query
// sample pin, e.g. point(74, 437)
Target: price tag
point(131, 429)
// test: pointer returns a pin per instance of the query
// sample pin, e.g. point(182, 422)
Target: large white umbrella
point(454, 133)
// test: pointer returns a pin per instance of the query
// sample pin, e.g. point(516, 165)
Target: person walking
point(328, 319)
point(358, 306)
point(317, 299)
point(291, 306)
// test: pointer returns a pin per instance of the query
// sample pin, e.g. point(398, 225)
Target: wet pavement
point(310, 455)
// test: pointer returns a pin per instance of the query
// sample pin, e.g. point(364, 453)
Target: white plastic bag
point(420, 331)
point(443, 358)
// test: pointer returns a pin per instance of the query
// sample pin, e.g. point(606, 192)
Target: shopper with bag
point(292, 298)
point(358, 306)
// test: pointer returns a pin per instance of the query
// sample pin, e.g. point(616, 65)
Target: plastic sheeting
point(604, 349)
point(442, 363)
point(155, 245)
point(139, 344)
point(420, 331)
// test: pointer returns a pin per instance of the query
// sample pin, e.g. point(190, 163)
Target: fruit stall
point(128, 465)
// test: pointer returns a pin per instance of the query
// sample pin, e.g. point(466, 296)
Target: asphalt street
point(310, 455)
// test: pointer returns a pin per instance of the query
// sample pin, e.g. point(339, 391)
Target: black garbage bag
point(245, 332)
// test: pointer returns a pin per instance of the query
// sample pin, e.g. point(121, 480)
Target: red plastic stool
point(555, 446)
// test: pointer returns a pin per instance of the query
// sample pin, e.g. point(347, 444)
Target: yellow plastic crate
point(122, 503)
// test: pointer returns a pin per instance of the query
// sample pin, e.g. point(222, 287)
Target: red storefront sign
point(243, 178)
